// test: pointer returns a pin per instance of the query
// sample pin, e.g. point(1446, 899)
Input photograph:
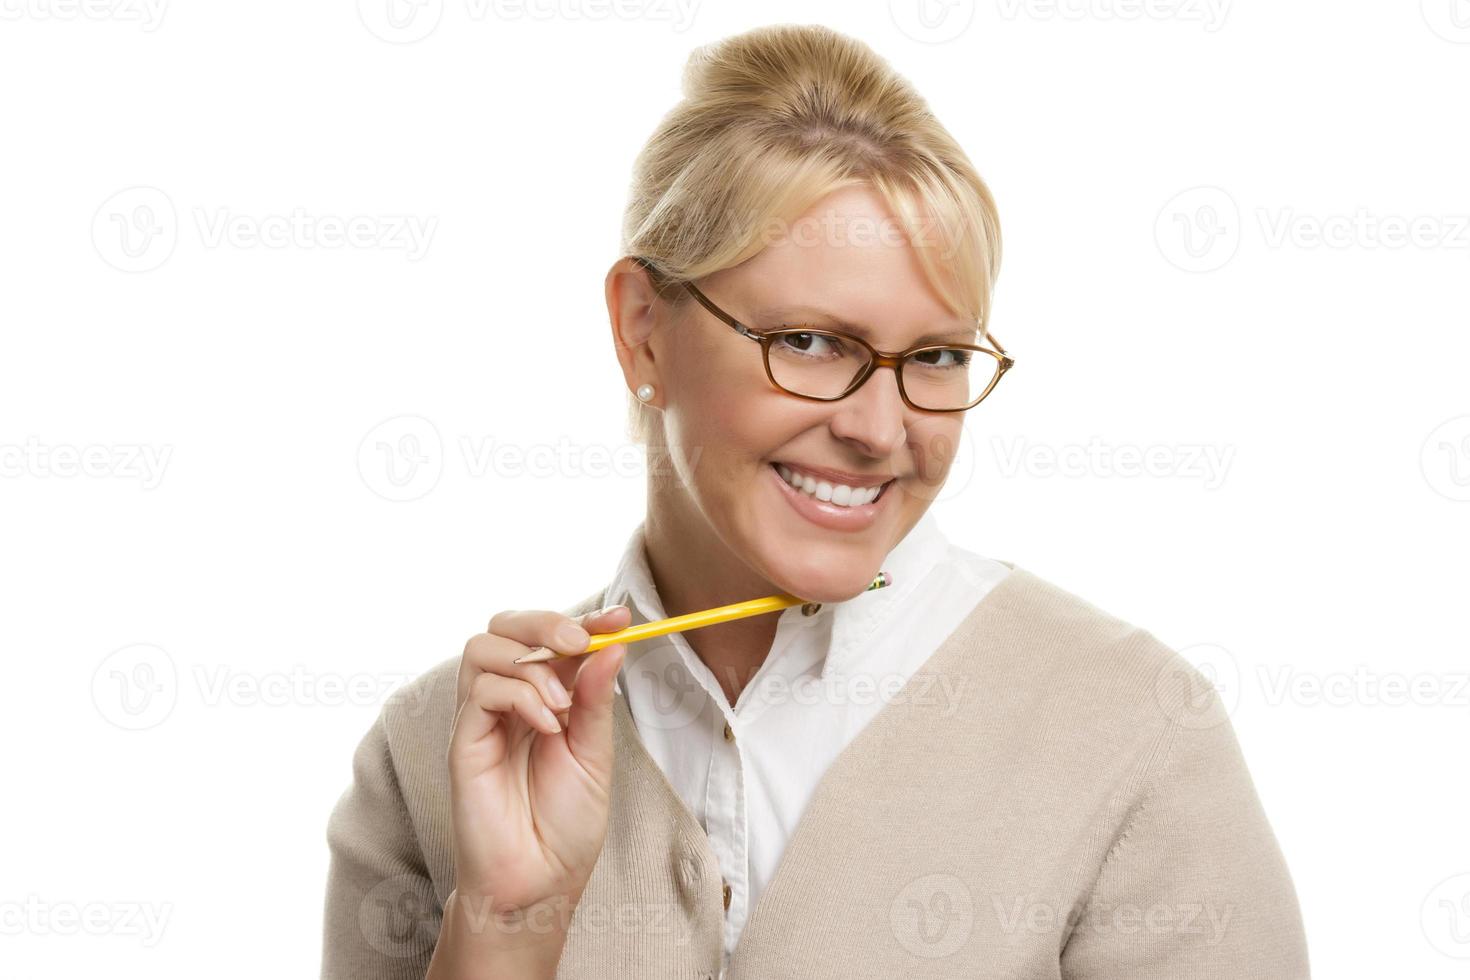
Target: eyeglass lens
point(821, 365)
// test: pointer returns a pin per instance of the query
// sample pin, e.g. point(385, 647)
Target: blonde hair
point(773, 120)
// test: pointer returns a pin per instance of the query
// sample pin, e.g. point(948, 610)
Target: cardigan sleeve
point(382, 917)
point(1195, 886)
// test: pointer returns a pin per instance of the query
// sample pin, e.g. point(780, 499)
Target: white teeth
point(837, 493)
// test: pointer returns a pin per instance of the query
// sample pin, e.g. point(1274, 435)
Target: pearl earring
point(644, 392)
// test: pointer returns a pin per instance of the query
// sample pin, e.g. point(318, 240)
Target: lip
point(858, 480)
point(833, 517)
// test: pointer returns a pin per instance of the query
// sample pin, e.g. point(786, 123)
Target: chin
point(836, 581)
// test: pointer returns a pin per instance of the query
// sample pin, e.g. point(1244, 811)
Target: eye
point(802, 344)
point(948, 357)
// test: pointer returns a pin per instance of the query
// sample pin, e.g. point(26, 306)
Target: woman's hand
point(530, 767)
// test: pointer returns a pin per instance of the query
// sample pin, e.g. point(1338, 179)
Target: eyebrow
point(806, 315)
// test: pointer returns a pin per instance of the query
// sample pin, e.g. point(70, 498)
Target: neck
point(694, 570)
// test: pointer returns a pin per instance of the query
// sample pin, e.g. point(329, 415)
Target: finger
point(590, 721)
point(483, 653)
point(488, 653)
point(497, 653)
point(491, 699)
point(607, 620)
point(526, 630)
point(540, 627)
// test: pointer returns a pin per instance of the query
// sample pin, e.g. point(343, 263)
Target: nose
point(872, 418)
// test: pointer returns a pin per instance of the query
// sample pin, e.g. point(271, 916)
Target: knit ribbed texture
point(1054, 794)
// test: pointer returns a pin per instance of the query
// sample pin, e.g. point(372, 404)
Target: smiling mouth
point(827, 491)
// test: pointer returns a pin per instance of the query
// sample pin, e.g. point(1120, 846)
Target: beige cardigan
point(1049, 796)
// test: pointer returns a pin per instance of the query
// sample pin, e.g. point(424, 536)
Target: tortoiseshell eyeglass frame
point(876, 358)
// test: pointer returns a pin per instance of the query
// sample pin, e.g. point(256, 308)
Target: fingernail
point(551, 718)
point(607, 609)
point(559, 695)
point(572, 636)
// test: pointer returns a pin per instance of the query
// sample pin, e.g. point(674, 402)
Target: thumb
point(590, 718)
point(608, 620)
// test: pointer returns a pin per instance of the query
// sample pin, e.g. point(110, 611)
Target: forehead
point(844, 262)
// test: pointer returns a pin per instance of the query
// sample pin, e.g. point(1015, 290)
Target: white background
point(1204, 206)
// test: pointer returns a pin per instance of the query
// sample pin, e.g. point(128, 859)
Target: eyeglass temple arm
point(735, 324)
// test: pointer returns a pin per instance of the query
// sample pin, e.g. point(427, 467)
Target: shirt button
point(729, 733)
point(727, 895)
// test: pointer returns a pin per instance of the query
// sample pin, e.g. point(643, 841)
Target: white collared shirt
point(747, 771)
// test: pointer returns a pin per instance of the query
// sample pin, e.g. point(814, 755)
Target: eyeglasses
point(826, 365)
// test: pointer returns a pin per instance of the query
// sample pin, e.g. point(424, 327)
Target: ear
point(631, 314)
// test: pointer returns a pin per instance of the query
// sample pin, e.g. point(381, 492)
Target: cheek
point(713, 417)
point(721, 419)
point(934, 444)
point(722, 404)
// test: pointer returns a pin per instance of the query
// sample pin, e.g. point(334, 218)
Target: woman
point(969, 773)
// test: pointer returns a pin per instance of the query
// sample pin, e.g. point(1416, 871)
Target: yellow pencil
point(689, 621)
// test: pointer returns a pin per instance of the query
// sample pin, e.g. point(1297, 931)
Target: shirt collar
point(908, 564)
point(848, 624)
